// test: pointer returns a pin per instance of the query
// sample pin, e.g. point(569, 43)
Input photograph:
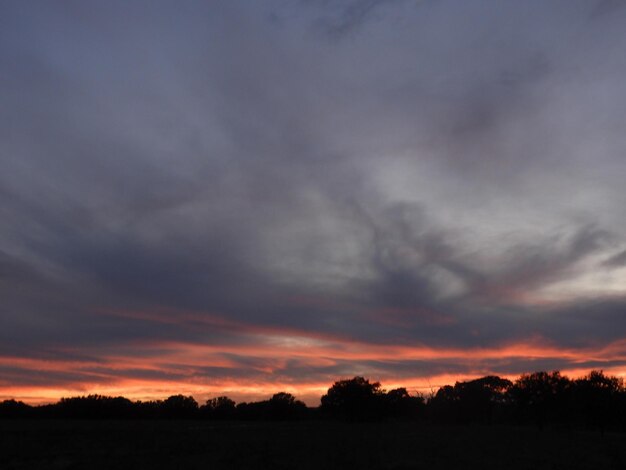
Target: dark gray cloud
point(617, 260)
point(237, 175)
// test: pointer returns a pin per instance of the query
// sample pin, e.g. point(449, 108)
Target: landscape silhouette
point(540, 420)
point(542, 398)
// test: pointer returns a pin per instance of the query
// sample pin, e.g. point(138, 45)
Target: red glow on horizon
point(266, 359)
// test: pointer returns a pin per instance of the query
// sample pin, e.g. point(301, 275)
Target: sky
point(246, 197)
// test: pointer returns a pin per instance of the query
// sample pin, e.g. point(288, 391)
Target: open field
point(154, 445)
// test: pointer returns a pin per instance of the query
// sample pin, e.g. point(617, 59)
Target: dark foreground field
point(308, 445)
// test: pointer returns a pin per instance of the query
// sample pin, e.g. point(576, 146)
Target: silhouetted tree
point(15, 409)
point(476, 400)
point(94, 406)
point(443, 405)
point(398, 403)
point(179, 406)
point(284, 405)
point(253, 411)
point(219, 408)
point(597, 399)
point(483, 399)
point(355, 399)
point(541, 397)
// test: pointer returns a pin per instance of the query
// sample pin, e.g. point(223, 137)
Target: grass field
point(302, 445)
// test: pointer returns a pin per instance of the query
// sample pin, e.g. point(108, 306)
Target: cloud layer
point(255, 196)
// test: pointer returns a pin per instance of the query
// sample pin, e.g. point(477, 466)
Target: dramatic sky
point(245, 197)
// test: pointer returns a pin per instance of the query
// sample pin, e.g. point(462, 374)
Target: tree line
point(595, 400)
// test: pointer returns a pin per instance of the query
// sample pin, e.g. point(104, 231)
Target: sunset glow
point(263, 364)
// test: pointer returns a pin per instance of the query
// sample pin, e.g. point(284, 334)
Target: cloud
point(200, 196)
point(617, 260)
